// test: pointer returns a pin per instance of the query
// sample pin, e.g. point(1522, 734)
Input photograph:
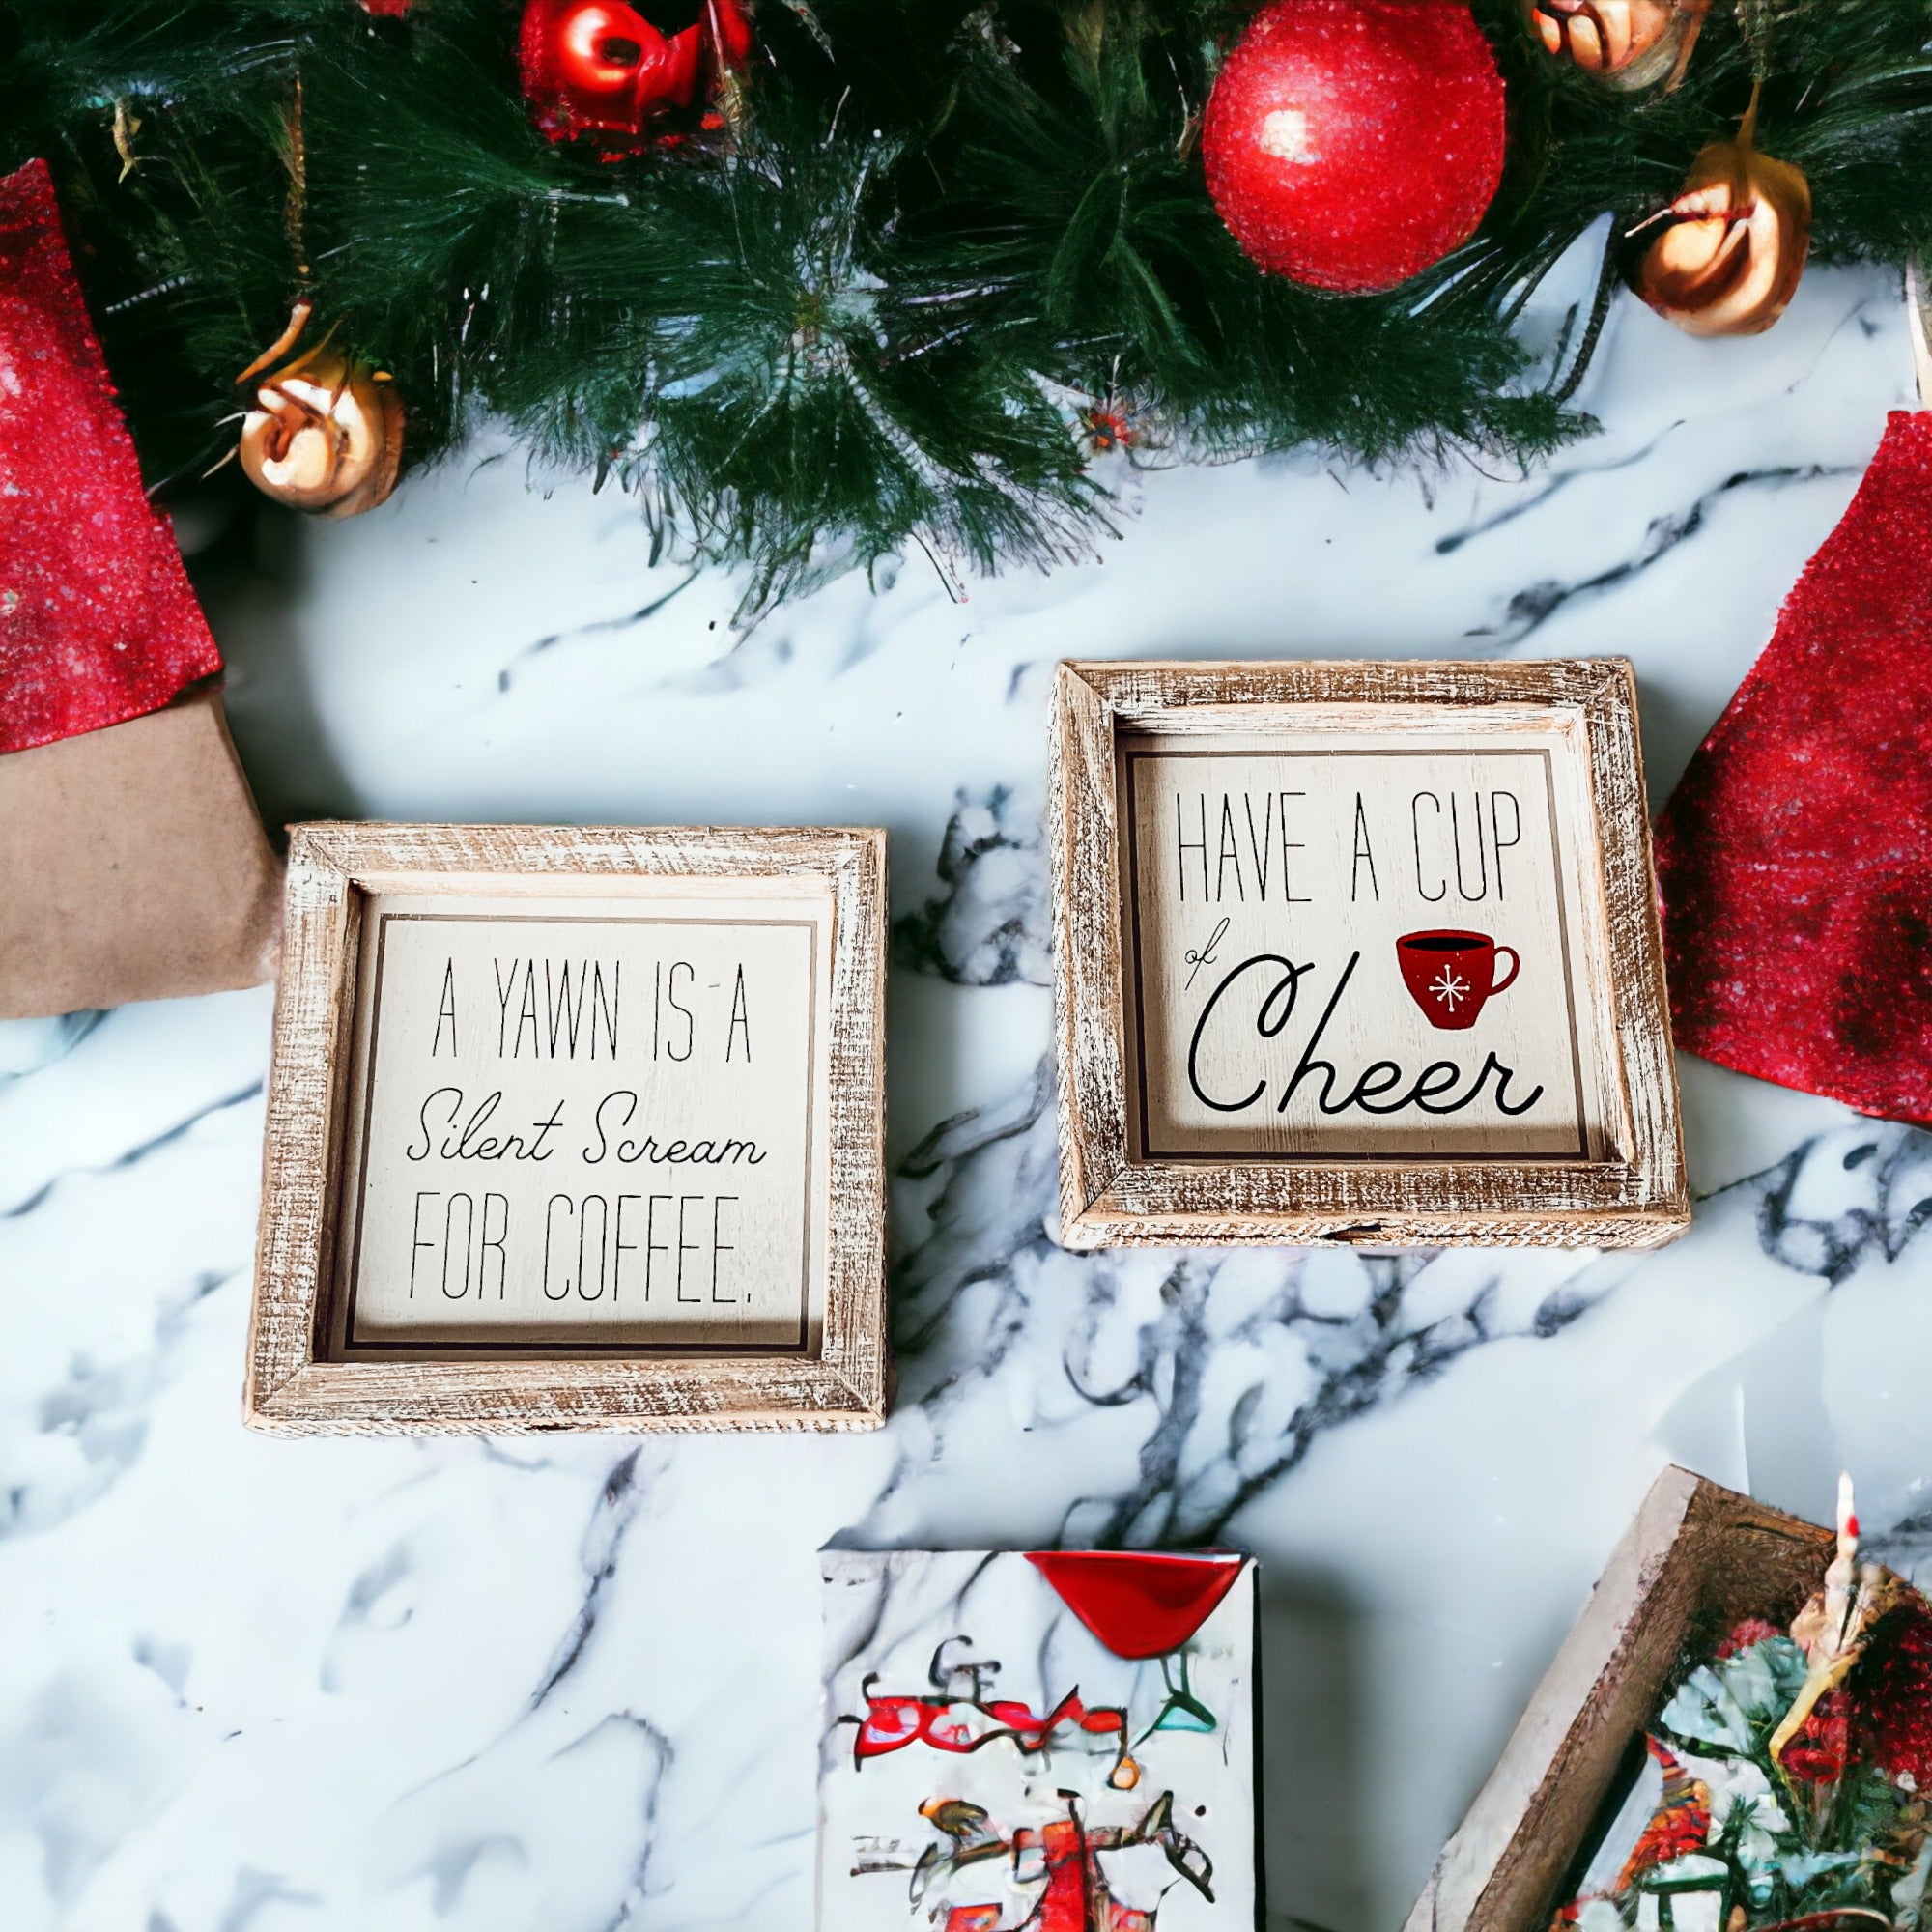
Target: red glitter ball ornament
point(598, 70)
point(1350, 142)
point(1795, 857)
point(97, 620)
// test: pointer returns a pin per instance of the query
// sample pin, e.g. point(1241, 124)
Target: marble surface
point(254, 1686)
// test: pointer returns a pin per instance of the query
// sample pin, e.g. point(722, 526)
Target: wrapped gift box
point(132, 866)
point(132, 862)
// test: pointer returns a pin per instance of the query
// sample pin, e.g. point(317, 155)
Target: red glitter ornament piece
point(1795, 857)
point(1890, 1692)
point(1820, 1752)
point(1350, 142)
point(1138, 1603)
point(97, 620)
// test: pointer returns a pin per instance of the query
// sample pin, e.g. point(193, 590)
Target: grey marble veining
point(251, 1686)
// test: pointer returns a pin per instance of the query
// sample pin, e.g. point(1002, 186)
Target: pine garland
point(887, 308)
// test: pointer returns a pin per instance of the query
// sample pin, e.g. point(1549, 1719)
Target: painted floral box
point(1058, 1741)
point(1698, 1560)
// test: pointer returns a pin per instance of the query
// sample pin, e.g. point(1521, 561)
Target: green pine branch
point(873, 318)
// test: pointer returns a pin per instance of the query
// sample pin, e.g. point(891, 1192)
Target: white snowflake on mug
point(1449, 986)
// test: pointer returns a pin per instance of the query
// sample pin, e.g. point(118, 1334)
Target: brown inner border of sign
point(1150, 747)
point(352, 1184)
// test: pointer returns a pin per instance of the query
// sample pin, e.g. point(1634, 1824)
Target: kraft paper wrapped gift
point(132, 861)
point(132, 866)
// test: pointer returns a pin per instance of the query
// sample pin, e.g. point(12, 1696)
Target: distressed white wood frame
point(1108, 1198)
point(334, 871)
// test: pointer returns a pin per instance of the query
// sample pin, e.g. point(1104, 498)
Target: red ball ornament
point(598, 70)
point(1350, 142)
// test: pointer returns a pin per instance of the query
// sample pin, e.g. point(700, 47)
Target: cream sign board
point(1361, 952)
point(1354, 950)
point(595, 1125)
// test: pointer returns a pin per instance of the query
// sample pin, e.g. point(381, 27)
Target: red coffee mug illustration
point(1450, 975)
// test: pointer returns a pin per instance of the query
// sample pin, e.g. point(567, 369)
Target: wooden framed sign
point(1358, 952)
point(574, 1129)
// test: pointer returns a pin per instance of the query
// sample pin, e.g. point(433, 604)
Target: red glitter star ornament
point(97, 620)
point(1795, 857)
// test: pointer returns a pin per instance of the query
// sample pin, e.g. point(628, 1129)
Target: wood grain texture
point(1086, 885)
point(1698, 1559)
point(1637, 1198)
point(332, 870)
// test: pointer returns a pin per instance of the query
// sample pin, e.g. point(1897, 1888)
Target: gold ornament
point(1729, 259)
point(1630, 43)
point(325, 434)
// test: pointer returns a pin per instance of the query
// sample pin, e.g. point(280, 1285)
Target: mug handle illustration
point(1516, 967)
